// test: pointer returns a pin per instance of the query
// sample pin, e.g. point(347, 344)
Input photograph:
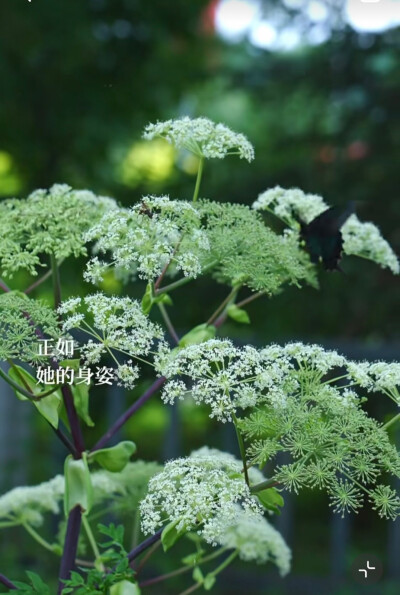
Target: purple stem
point(144, 545)
point(6, 582)
point(73, 419)
point(70, 546)
point(129, 412)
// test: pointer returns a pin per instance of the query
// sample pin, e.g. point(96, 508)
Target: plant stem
point(29, 395)
point(263, 485)
point(92, 542)
point(391, 421)
point(142, 547)
point(76, 430)
point(56, 281)
point(164, 577)
point(65, 440)
point(251, 298)
point(191, 589)
point(184, 280)
point(168, 323)
point(70, 546)
point(198, 179)
point(128, 413)
point(241, 448)
point(6, 582)
point(229, 298)
point(4, 286)
point(39, 538)
point(225, 563)
point(41, 280)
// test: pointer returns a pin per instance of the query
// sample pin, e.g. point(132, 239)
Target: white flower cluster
point(193, 491)
point(202, 137)
point(27, 504)
point(255, 539)
point(377, 377)
point(364, 239)
point(145, 238)
point(360, 239)
point(290, 203)
point(227, 377)
point(122, 326)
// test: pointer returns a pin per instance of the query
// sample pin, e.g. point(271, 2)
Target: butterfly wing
point(323, 237)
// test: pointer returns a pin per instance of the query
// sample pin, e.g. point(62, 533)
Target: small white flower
point(255, 539)
point(364, 239)
point(202, 137)
point(193, 491)
point(290, 204)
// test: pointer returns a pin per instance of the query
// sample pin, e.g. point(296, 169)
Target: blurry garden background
point(315, 85)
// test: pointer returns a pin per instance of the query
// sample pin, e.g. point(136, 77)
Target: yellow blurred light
point(147, 163)
point(10, 183)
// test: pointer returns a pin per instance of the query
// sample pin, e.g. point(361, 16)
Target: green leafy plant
point(298, 399)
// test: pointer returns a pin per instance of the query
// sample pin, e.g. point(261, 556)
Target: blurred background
point(315, 85)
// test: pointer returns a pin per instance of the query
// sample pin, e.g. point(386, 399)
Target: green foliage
point(96, 582)
point(49, 223)
point(114, 458)
point(35, 585)
point(19, 315)
point(249, 253)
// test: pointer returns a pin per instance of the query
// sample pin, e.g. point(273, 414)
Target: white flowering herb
point(359, 239)
point(47, 222)
point(112, 324)
point(202, 137)
point(307, 404)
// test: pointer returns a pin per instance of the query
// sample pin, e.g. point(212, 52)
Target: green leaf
point(209, 582)
point(74, 364)
point(147, 300)
point(78, 485)
point(271, 499)
point(80, 394)
point(198, 575)
point(164, 298)
point(238, 314)
point(114, 458)
point(48, 407)
point(192, 559)
point(170, 535)
point(198, 334)
point(125, 588)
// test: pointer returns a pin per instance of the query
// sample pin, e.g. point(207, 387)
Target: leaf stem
point(229, 298)
point(48, 546)
point(263, 485)
point(198, 179)
point(168, 323)
point(142, 547)
point(184, 280)
point(391, 421)
point(6, 582)
point(92, 542)
point(241, 448)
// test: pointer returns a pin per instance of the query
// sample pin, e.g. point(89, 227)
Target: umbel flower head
point(255, 539)
point(359, 239)
point(125, 489)
point(144, 239)
point(47, 222)
point(192, 491)
point(119, 324)
point(202, 137)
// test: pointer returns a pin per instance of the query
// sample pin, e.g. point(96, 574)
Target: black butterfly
point(322, 236)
